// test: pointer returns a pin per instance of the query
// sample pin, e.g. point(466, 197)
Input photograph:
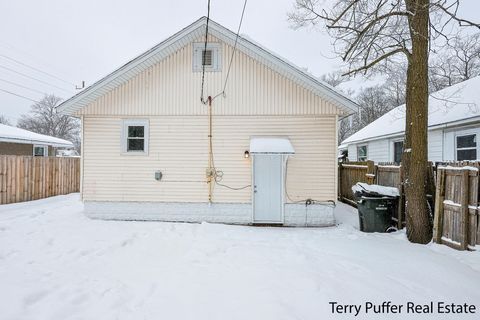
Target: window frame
point(393, 148)
point(146, 133)
point(45, 150)
point(464, 134)
point(366, 152)
point(197, 57)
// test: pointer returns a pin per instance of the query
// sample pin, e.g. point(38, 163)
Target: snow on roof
point(17, 135)
point(271, 145)
point(459, 102)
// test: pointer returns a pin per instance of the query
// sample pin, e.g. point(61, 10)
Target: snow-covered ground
point(57, 264)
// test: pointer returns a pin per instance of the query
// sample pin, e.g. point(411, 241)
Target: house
point(453, 129)
point(261, 151)
point(20, 142)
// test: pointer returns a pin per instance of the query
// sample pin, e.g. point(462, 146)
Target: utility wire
point(22, 86)
point(30, 77)
point(218, 174)
point(233, 52)
point(18, 95)
point(36, 69)
point(203, 53)
point(27, 54)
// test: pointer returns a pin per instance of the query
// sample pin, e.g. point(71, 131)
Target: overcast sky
point(87, 39)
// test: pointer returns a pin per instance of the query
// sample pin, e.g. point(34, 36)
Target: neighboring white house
point(146, 135)
point(453, 129)
point(16, 141)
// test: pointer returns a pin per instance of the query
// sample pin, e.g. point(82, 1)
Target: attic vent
point(209, 58)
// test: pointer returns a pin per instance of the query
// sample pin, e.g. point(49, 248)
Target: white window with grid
point(135, 136)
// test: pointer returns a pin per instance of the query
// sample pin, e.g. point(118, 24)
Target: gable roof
point(189, 34)
point(17, 135)
point(453, 105)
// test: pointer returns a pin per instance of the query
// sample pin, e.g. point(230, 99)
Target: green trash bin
point(376, 214)
point(377, 207)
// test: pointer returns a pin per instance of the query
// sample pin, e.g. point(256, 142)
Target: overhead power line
point(235, 45)
point(18, 95)
point(36, 69)
point(24, 53)
point(233, 51)
point(33, 78)
point(21, 86)
point(204, 51)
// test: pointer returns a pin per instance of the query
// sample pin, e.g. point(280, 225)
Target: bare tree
point(458, 61)
point(373, 104)
point(43, 119)
point(4, 120)
point(467, 53)
point(369, 34)
point(334, 78)
point(395, 84)
point(345, 128)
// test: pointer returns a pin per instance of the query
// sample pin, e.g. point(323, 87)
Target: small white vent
point(208, 59)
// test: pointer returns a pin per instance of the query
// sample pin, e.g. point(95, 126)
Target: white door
point(267, 188)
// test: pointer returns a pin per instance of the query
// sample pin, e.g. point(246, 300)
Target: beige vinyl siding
point(258, 101)
point(178, 146)
point(170, 87)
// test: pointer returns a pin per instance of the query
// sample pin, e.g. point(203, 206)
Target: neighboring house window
point(466, 146)
point(135, 136)
point(362, 153)
point(40, 151)
point(397, 151)
point(210, 58)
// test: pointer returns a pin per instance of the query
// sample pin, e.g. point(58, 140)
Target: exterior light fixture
point(246, 154)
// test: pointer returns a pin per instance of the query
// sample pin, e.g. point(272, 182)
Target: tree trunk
point(419, 226)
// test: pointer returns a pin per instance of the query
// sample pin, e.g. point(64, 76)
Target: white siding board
point(179, 148)
point(379, 150)
point(435, 145)
point(449, 146)
point(352, 152)
point(175, 90)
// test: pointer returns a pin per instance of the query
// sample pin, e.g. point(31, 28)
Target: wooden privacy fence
point(25, 178)
point(350, 173)
point(384, 174)
point(457, 215)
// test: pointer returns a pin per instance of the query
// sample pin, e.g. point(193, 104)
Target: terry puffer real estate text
point(388, 307)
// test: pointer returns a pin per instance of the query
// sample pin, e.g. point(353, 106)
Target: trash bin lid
point(364, 189)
